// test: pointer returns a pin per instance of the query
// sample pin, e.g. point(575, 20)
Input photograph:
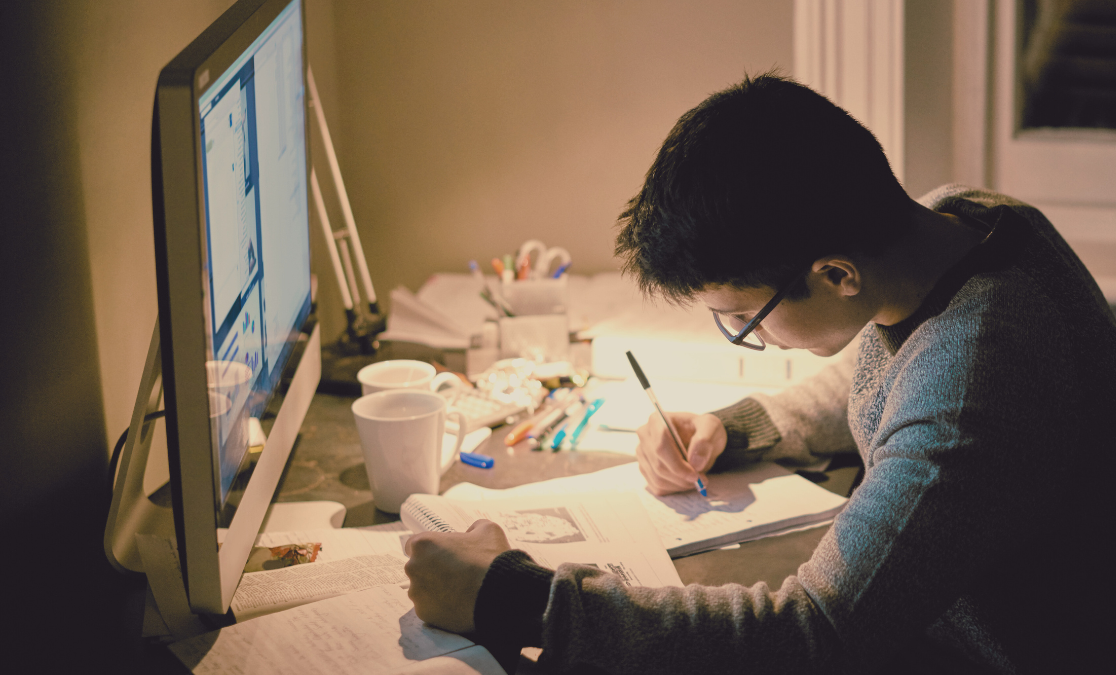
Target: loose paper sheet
point(372, 630)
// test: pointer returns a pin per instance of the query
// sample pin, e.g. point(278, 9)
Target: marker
point(520, 431)
point(477, 460)
point(593, 407)
point(556, 442)
point(547, 424)
point(673, 432)
point(572, 412)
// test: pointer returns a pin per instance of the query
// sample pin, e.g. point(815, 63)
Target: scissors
point(544, 258)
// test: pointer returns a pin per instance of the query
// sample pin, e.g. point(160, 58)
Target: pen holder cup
point(541, 338)
point(531, 297)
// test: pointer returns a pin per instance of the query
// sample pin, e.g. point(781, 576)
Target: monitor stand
point(132, 511)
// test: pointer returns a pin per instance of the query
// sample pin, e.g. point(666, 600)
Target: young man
point(979, 397)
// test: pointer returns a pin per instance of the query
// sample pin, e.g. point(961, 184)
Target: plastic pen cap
point(477, 460)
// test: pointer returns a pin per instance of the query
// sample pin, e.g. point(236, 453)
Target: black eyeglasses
point(751, 326)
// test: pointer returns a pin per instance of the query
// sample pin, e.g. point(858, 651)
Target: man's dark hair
point(752, 186)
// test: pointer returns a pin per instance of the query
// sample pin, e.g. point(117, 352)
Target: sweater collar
point(1000, 248)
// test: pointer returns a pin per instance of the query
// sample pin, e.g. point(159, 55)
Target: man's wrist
point(511, 601)
point(749, 432)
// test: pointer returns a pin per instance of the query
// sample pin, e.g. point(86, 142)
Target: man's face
point(823, 323)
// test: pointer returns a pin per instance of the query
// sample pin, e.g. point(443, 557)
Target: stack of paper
point(375, 629)
point(412, 320)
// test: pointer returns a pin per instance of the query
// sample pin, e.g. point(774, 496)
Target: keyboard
point(480, 408)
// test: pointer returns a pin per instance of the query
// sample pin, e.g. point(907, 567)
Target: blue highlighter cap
point(479, 461)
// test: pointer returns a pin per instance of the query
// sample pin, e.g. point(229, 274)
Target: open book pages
point(348, 560)
point(609, 531)
point(374, 630)
point(743, 504)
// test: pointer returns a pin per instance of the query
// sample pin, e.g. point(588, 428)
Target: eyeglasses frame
point(738, 338)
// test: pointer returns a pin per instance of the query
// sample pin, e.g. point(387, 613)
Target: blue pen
point(673, 432)
point(584, 421)
point(560, 272)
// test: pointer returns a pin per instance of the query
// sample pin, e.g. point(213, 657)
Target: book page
point(349, 560)
point(356, 633)
point(338, 544)
point(742, 505)
point(271, 591)
point(610, 531)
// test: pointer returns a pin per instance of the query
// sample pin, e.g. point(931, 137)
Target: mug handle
point(442, 379)
point(461, 431)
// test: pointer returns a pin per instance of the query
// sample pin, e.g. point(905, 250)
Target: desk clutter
point(546, 371)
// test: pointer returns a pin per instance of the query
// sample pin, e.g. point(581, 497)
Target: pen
point(576, 436)
point(666, 420)
point(560, 272)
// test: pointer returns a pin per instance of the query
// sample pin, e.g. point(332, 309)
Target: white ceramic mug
point(401, 433)
point(402, 374)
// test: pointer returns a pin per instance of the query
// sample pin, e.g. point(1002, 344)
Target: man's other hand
point(446, 570)
point(664, 469)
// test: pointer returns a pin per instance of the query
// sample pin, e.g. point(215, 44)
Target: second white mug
point(402, 374)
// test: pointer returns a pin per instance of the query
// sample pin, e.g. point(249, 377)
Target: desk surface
point(327, 463)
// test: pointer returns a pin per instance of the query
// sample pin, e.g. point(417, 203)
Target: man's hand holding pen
point(664, 469)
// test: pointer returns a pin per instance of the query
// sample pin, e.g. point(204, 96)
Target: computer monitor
point(230, 178)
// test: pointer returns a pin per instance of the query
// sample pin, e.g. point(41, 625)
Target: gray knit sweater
point(972, 544)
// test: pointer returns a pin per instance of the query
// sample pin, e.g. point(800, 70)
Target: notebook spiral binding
point(430, 520)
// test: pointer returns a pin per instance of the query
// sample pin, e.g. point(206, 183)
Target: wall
point(467, 128)
point(53, 452)
point(927, 96)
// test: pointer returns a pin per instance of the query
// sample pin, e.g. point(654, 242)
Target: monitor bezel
point(210, 572)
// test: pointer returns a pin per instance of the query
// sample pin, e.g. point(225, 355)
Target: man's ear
point(839, 273)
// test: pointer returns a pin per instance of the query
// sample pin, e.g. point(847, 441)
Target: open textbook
point(609, 531)
point(743, 504)
point(349, 560)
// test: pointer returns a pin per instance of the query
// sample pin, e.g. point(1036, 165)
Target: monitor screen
point(230, 177)
point(256, 248)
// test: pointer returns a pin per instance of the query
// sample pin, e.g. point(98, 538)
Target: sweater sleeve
point(801, 426)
